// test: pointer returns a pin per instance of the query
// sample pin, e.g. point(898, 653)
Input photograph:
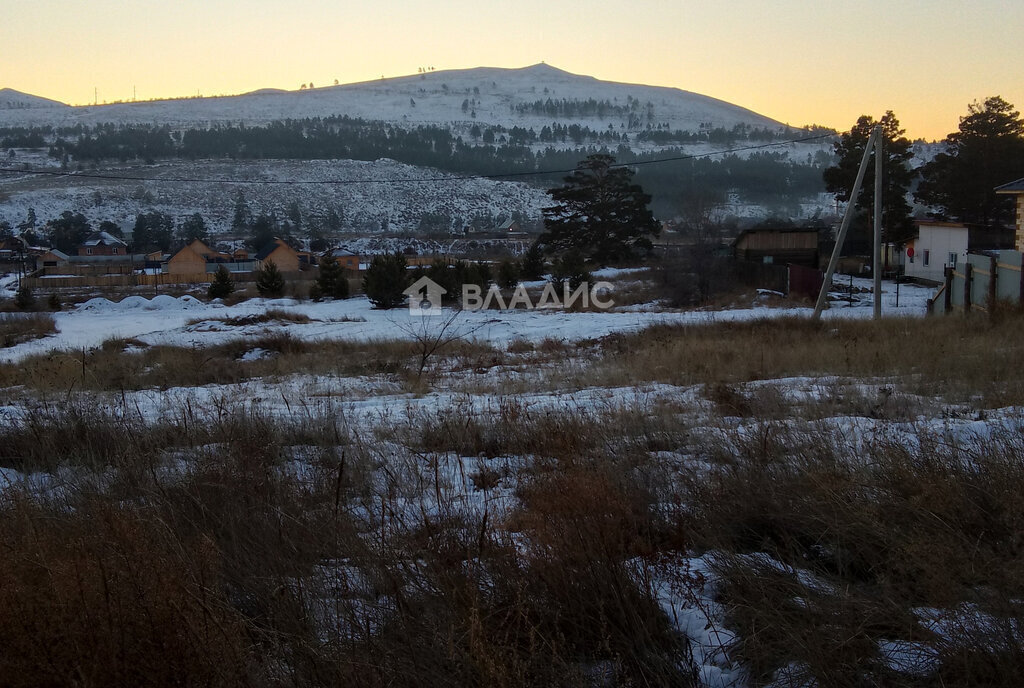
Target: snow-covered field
point(681, 427)
point(163, 320)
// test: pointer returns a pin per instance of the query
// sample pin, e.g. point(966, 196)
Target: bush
point(269, 281)
point(24, 299)
point(16, 328)
point(222, 286)
point(570, 267)
point(386, 280)
point(508, 274)
point(53, 303)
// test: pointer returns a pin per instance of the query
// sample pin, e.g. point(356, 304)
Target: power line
point(414, 180)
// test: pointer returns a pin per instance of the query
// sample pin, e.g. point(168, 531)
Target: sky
point(823, 62)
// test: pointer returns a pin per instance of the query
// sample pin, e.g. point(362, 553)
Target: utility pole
point(877, 257)
point(876, 135)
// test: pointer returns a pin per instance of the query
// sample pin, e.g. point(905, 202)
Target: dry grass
point(16, 328)
point(958, 357)
point(505, 541)
point(876, 536)
point(360, 565)
point(125, 365)
point(267, 316)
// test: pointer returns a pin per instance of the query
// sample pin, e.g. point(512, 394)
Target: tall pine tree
point(896, 176)
point(986, 151)
point(600, 213)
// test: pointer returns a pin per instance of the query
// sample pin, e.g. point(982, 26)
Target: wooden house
point(103, 244)
point(52, 259)
point(281, 254)
point(779, 246)
point(344, 258)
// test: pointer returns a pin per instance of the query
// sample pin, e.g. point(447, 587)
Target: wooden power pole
point(874, 144)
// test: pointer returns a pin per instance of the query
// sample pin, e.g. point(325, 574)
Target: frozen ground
point(164, 320)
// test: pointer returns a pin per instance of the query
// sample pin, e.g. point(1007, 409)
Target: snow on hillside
point(383, 202)
point(16, 100)
point(433, 97)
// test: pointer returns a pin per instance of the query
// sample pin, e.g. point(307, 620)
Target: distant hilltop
point(16, 100)
point(532, 96)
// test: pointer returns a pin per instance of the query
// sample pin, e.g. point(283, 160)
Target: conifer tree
point(386, 280)
point(332, 281)
point(269, 281)
point(222, 286)
point(599, 213)
point(985, 152)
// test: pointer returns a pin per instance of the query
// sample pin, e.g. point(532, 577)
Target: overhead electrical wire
point(349, 182)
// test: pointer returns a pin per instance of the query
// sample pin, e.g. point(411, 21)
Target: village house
point(103, 244)
point(53, 258)
point(282, 255)
point(197, 258)
point(778, 246)
point(510, 226)
point(939, 245)
point(344, 258)
point(192, 259)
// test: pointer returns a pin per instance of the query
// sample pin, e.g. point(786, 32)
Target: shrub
point(571, 268)
point(508, 274)
point(24, 299)
point(16, 328)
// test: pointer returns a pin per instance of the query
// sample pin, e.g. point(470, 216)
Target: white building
point(938, 245)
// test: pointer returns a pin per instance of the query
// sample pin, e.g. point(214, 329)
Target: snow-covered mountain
point(495, 96)
point(459, 100)
point(16, 100)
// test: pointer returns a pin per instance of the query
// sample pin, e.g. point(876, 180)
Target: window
point(114, 251)
point(88, 251)
point(927, 258)
point(952, 259)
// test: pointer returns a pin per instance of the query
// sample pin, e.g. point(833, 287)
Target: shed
point(779, 246)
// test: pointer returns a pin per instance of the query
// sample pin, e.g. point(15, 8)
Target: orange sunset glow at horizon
point(794, 62)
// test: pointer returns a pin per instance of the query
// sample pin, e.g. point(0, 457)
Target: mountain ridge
point(493, 95)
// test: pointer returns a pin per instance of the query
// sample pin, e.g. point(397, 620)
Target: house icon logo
point(425, 297)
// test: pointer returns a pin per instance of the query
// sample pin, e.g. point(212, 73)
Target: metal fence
point(981, 283)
